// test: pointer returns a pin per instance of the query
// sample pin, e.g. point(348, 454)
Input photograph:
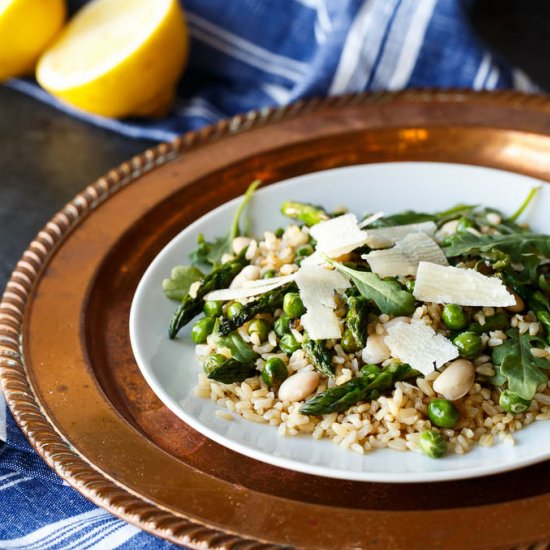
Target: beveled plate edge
point(53, 448)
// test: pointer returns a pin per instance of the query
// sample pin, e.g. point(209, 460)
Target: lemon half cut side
point(118, 58)
point(26, 29)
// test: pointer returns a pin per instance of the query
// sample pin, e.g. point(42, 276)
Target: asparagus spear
point(227, 371)
point(266, 303)
point(307, 213)
point(341, 398)
point(319, 356)
point(218, 278)
point(357, 319)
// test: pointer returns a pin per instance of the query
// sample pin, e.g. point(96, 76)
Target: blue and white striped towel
point(248, 54)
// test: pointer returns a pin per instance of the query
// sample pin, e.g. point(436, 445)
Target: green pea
point(274, 372)
point(443, 413)
point(201, 329)
point(469, 344)
point(464, 224)
point(512, 403)
point(454, 317)
point(433, 444)
point(269, 274)
point(289, 344)
point(213, 309)
point(261, 327)
point(233, 309)
point(292, 305)
point(348, 343)
point(279, 232)
point(212, 362)
point(369, 370)
point(305, 250)
point(409, 285)
point(282, 326)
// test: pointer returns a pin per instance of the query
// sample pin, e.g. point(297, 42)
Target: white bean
point(239, 243)
point(456, 380)
point(376, 350)
point(298, 386)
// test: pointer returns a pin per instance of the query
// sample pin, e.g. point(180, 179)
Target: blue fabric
point(248, 54)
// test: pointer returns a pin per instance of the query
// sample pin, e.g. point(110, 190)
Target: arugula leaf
point(516, 362)
point(402, 218)
point(181, 278)
point(516, 245)
point(524, 204)
point(212, 252)
point(409, 216)
point(390, 297)
point(240, 350)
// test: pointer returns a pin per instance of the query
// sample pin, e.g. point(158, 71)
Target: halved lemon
point(118, 58)
point(26, 29)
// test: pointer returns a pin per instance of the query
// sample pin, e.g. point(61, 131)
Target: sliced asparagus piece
point(357, 319)
point(220, 277)
point(320, 356)
point(307, 213)
point(341, 398)
point(266, 303)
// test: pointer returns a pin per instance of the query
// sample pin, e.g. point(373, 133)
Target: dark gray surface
point(46, 157)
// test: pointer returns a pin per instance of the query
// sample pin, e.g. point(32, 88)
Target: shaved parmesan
point(384, 237)
point(404, 257)
point(464, 287)
point(420, 346)
point(338, 236)
point(371, 219)
point(244, 292)
point(317, 286)
point(282, 280)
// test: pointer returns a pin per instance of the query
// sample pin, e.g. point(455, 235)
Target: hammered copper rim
point(16, 385)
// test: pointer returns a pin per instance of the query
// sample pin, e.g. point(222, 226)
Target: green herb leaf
point(524, 205)
point(409, 216)
point(515, 244)
point(181, 278)
point(212, 252)
point(390, 297)
point(521, 368)
point(240, 350)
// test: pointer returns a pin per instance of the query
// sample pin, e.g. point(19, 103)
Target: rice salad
point(413, 331)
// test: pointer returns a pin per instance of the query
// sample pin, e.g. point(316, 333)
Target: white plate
point(171, 370)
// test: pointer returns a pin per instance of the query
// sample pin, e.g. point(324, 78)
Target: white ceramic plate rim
point(292, 464)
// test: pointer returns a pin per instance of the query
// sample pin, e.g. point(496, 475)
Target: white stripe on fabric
point(14, 482)
point(122, 534)
point(199, 107)
point(411, 45)
point(522, 82)
point(323, 24)
point(7, 476)
point(482, 71)
point(82, 530)
point(3, 419)
point(364, 40)
point(51, 534)
point(96, 535)
point(244, 50)
point(492, 79)
point(280, 94)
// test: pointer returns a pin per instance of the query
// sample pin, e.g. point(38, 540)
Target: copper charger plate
point(70, 379)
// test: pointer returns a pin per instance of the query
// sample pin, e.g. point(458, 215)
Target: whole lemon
point(118, 58)
point(26, 29)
